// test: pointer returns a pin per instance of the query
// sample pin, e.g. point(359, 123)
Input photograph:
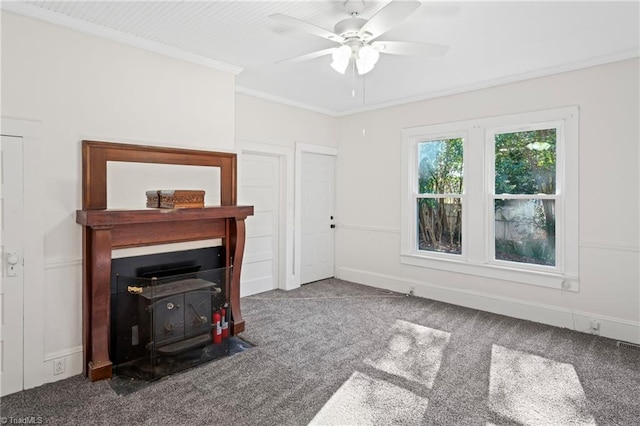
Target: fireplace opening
point(169, 312)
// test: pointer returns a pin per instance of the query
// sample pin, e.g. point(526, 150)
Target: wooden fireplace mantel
point(105, 230)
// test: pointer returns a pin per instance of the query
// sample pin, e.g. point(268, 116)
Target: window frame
point(478, 240)
point(558, 196)
point(417, 195)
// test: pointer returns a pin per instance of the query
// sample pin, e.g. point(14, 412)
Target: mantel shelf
point(108, 217)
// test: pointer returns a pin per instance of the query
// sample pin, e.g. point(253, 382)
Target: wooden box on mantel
point(175, 199)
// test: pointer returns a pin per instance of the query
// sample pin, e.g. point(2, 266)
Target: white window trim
point(476, 259)
point(558, 197)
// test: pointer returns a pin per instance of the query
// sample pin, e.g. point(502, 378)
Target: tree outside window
point(525, 192)
point(439, 203)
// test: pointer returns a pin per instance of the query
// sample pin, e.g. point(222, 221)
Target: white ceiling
point(490, 43)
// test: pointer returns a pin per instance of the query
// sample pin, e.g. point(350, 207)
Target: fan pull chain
point(364, 89)
point(353, 78)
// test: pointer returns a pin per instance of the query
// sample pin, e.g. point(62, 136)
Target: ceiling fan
point(357, 36)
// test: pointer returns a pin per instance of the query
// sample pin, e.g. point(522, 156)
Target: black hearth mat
point(124, 384)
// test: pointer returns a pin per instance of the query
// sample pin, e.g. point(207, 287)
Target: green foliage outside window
point(525, 163)
point(440, 167)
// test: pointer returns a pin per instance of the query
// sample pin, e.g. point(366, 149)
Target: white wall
point(368, 200)
point(264, 121)
point(82, 87)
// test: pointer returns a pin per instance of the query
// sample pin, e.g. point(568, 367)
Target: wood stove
point(163, 323)
point(178, 313)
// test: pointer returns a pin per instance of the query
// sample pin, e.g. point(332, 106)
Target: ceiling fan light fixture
point(341, 57)
point(358, 37)
point(367, 58)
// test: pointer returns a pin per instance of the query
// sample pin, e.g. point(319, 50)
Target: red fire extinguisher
point(217, 329)
point(225, 323)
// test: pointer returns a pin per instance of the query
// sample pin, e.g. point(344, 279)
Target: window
point(524, 195)
point(494, 197)
point(439, 196)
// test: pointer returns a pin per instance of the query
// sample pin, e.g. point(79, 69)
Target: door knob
point(12, 259)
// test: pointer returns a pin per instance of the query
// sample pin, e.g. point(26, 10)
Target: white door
point(318, 186)
point(11, 286)
point(260, 187)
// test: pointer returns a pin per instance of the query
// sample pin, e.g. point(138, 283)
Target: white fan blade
point(308, 56)
point(305, 26)
point(410, 48)
point(387, 18)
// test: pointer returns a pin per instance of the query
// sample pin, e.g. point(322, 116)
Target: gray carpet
point(334, 352)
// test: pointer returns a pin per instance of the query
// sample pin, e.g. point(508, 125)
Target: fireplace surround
point(105, 230)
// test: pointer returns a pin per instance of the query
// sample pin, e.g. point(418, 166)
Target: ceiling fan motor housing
point(349, 27)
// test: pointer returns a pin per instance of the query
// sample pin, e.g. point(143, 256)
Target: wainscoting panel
point(62, 317)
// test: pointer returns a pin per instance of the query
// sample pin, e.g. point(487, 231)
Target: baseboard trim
point(72, 362)
point(614, 328)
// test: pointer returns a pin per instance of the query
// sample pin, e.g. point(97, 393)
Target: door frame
point(31, 132)
point(286, 279)
point(307, 149)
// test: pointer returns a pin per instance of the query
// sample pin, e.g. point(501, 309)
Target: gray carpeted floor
point(334, 352)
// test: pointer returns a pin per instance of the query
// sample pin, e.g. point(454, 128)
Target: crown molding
point(514, 78)
point(285, 101)
point(31, 11)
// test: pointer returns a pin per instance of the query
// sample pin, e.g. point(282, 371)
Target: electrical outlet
point(58, 366)
point(595, 326)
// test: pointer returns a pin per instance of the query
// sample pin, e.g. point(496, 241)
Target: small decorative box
point(175, 199)
point(181, 198)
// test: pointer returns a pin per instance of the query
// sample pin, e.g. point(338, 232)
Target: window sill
point(537, 278)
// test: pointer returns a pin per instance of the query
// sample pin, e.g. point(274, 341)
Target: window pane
point(440, 225)
point(525, 231)
point(440, 166)
point(526, 162)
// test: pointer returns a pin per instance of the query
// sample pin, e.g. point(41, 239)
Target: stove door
point(168, 319)
point(197, 318)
